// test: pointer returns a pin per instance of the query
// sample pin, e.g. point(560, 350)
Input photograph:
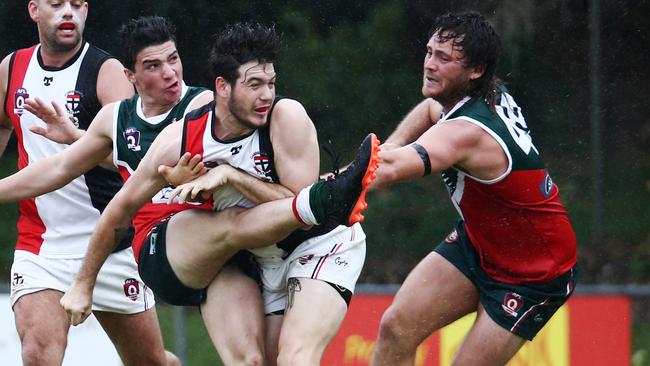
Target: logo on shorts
point(546, 186)
point(132, 136)
point(132, 288)
point(452, 237)
point(17, 279)
point(341, 262)
point(19, 101)
point(305, 259)
point(512, 303)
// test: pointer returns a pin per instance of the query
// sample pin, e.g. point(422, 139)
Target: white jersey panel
point(68, 214)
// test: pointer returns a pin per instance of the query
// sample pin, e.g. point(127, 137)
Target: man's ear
point(222, 88)
point(129, 75)
point(477, 72)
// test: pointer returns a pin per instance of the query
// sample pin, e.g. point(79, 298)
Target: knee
point(38, 351)
point(294, 354)
point(251, 358)
point(254, 360)
point(391, 328)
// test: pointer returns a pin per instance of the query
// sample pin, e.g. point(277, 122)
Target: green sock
point(317, 200)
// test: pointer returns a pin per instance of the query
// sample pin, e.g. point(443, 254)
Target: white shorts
point(336, 257)
point(119, 288)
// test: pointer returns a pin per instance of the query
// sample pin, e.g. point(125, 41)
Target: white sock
point(302, 209)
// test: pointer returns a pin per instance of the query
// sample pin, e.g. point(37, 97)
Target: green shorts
point(522, 309)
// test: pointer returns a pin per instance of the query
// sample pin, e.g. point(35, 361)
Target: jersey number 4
point(511, 114)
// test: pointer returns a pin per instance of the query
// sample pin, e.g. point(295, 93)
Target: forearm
point(256, 190)
point(34, 180)
point(416, 122)
point(105, 238)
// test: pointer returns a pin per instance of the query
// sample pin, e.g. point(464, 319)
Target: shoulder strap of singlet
point(16, 75)
point(265, 141)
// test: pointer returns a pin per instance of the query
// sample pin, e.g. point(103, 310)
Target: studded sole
point(370, 175)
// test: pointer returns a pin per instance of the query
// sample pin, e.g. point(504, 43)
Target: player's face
point(252, 94)
point(446, 78)
point(158, 75)
point(60, 22)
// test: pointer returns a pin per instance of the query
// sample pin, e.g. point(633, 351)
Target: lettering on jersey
point(210, 164)
point(514, 120)
point(19, 101)
point(47, 80)
point(235, 150)
point(132, 288)
point(73, 101)
point(450, 177)
point(546, 186)
point(262, 163)
point(132, 136)
point(163, 195)
point(17, 279)
point(512, 303)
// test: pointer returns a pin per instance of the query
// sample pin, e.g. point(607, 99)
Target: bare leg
point(234, 317)
point(487, 343)
point(314, 314)
point(136, 337)
point(273, 328)
point(433, 295)
point(42, 326)
point(200, 242)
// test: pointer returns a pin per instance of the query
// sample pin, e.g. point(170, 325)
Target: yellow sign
point(549, 348)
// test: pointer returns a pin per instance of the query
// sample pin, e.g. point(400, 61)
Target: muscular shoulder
point(289, 114)
point(112, 84)
point(166, 148)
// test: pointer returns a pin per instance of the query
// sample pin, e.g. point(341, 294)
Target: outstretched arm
point(57, 170)
point(415, 123)
point(114, 222)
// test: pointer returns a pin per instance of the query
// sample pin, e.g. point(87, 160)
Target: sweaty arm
point(447, 144)
point(57, 170)
point(295, 145)
point(415, 123)
point(116, 219)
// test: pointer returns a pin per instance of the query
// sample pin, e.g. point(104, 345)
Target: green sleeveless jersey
point(133, 133)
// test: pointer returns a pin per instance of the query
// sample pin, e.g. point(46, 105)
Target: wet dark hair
point(481, 46)
point(241, 43)
point(140, 33)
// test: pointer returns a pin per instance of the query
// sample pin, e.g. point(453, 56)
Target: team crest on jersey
point(547, 186)
point(262, 163)
point(17, 280)
point(73, 101)
point(132, 136)
point(19, 101)
point(512, 303)
point(132, 288)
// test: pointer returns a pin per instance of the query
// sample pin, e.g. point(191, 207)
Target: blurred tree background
point(357, 67)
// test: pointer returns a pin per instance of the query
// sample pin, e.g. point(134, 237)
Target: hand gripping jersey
point(58, 224)
point(516, 222)
point(133, 134)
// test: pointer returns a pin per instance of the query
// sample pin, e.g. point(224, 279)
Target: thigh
point(433, 295)
point(136, 337)
point(234, 303)
point(42, 323)
point(314, 313)
point(487, 343)
point(197, 244)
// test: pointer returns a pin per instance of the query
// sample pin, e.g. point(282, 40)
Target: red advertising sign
point(588, 330)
